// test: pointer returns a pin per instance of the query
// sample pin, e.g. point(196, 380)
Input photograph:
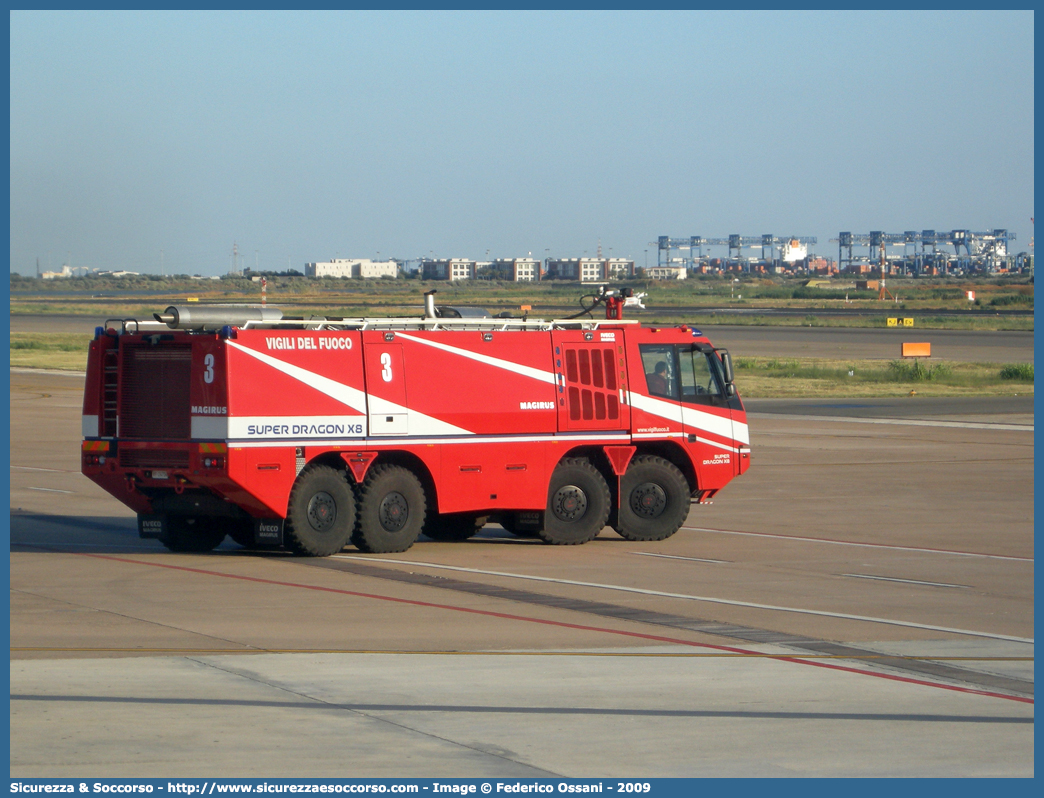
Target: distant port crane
point(736, 243)
point(987, 248)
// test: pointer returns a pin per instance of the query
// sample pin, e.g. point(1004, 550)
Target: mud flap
point(152, 527)
point(268, 531)
point(529, 521)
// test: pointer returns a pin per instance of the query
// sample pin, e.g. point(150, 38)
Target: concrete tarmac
point(860, 603)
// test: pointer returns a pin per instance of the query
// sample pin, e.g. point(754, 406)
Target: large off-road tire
point(391, 510)
point(577, 503)
point(654, 499)
point(453, 526)
point(321, 515)
point(193, 534)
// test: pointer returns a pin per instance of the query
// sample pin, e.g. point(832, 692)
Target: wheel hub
point(394, 512)
point(569, 503)
point(322, 511)
point(648, 500)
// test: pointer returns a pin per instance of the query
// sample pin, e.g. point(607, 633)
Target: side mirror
point(726, 364)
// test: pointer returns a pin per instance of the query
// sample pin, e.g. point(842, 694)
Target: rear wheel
point(654, 499)
point(193, 534)
point(577, 503)
point(454, 526)
point(321, 514)
point(391, 510)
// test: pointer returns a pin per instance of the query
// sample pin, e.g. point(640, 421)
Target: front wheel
point(577, 503)
point(321, 514)
point(391, 510)
point(654, 499)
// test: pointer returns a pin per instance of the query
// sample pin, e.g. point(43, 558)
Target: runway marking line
point(905, 581)
point(804, 539)
point(689, 597)
point(562, 624)
point(679, 557)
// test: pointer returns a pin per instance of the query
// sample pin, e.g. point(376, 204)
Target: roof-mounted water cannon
point(616, 299)
point(215, 317)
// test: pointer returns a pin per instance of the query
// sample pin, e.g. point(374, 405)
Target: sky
point(157, 141)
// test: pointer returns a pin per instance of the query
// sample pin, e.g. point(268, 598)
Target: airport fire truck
point(313, 433)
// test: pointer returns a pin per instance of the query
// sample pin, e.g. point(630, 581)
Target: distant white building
point(590, 270)
point(667, 272)
point(449, 269)
point(115, 274)
point(522, 270)
point(619, 269)
point(525, 270)
point(357, 268)
point(67, 272)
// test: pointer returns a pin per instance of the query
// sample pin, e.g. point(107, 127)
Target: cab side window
point(699, 377)
point(660, 373)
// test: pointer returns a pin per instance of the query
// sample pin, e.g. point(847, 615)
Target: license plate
point(160, 475)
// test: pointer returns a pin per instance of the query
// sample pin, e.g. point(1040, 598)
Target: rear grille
point(154, 392)
point(154, 458)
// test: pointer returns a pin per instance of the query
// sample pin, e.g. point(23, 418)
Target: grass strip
point(769, 378)
point(63, 351)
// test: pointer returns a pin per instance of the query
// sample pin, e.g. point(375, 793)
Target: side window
point(658, 365)
point(699, 382)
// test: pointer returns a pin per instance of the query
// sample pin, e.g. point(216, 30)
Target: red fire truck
point(313, 433)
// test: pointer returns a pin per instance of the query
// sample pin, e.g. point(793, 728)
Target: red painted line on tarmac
point(954, 552)
point(796, 658)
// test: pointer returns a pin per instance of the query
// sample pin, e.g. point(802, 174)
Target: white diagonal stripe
point(419, 423)
point(345, 394)
point(496, 362)
point(692, 417)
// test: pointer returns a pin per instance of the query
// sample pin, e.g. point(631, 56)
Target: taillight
point(94, 452)
point(212, 455)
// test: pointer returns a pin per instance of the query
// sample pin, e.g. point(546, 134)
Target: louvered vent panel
point(591, 382)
